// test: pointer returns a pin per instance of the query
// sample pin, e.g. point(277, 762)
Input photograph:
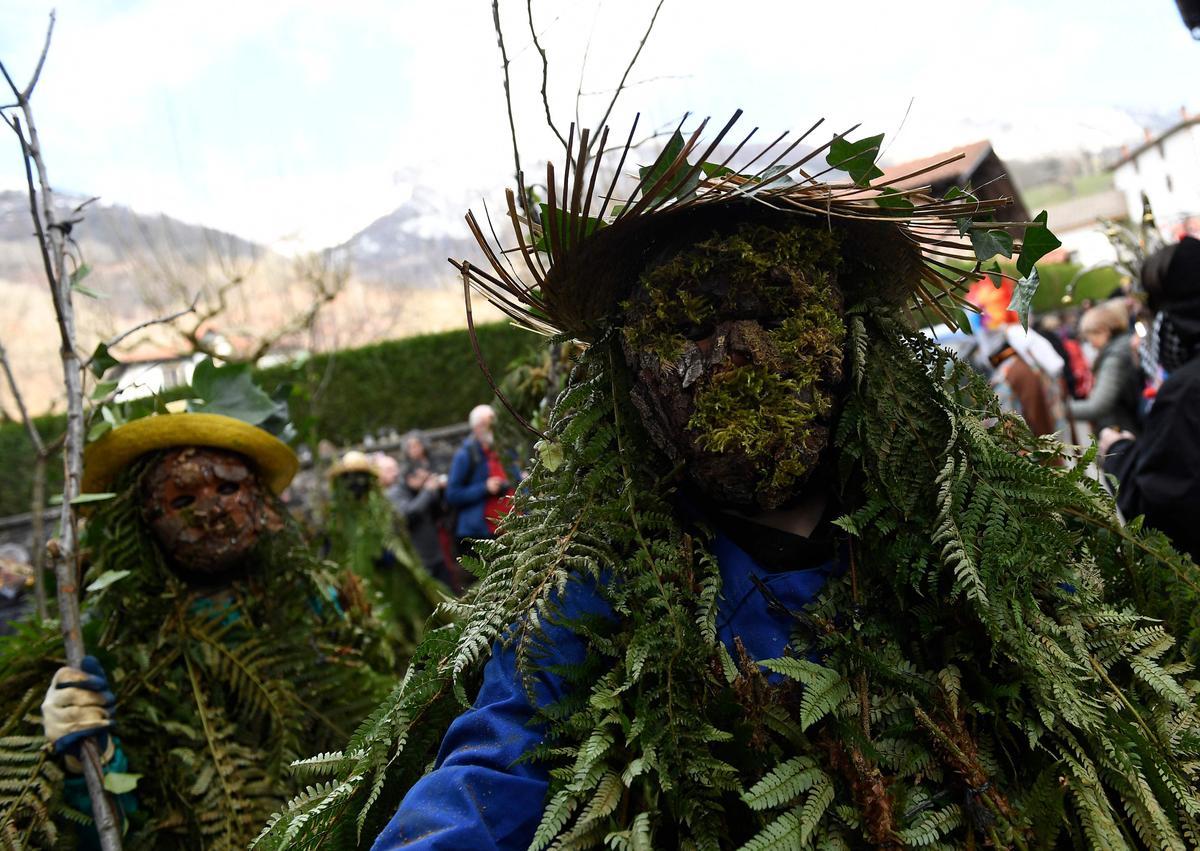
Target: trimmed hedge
point(417, 382)
point(17, 460)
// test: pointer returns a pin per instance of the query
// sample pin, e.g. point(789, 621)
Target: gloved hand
point(79, 704)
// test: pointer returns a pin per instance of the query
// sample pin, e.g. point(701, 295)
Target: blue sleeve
point(480, 796)
point(459, 490)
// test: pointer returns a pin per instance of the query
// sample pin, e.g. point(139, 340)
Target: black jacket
point(1159, 473)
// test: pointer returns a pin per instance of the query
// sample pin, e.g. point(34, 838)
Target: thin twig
point(161, 320)
point(512, 127)
point(34, 437)
point(629, 67)
point(37, 71)
point(545, 74)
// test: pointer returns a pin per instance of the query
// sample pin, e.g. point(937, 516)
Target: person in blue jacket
point(480, 484)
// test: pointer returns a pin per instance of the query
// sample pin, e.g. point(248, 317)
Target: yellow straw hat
point(353, 462)
point(103, 460)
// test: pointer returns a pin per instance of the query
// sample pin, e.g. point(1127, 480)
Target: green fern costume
point(968, 682)
point(366, 537)
point(218, 688)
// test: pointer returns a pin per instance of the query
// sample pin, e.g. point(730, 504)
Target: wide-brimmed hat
point(582, 259)
point(353, 462)
point(103, 460)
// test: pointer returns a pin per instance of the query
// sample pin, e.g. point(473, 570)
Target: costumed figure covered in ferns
point(224, 648)
point(365, 535)
point(784, 575)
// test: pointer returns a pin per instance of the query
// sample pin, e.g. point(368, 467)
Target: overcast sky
point(304, 121)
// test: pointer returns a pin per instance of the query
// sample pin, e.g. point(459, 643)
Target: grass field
point(1039, 197)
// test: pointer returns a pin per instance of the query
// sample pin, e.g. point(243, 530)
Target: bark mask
point(735, 344)
point(206, 507)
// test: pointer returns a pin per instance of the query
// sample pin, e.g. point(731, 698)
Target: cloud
point(271, 118)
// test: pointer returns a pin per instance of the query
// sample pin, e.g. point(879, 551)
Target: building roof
point(1188, 121)
point(1086, 211)
point(958, 171)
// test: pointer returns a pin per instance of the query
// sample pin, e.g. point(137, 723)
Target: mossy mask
point(207, 508)
point(736, 346)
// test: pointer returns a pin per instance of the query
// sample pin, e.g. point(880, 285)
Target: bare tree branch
point(161, 320)
point(655, 79)
point(545, 71)
point(327, 285)
point(512, 127)
point(628, 68)
point(37, 71)
point(34, 436)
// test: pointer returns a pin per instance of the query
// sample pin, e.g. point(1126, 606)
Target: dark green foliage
point(219, 688)
point(18, 457)
point(366, 537)
point(970, 685)
point(417, 382)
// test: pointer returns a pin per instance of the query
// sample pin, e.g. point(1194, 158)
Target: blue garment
point(466, 488)
point(479, 796)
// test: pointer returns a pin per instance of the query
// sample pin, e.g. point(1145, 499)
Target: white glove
point(79, 704)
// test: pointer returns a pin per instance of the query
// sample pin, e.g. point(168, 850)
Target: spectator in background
point(1159, 472)
point(1115, 388)
point(1076, 375)
point(1025, 369)
point(479, 486)
point(419, 495)
point(16, 580)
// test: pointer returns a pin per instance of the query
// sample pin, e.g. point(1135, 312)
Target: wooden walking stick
point(53, 235)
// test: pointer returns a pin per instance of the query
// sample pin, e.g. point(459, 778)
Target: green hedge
point(17, 460)
point(418, 382)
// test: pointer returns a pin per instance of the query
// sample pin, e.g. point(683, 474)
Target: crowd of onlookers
point(446, 511)
point(1124, 370)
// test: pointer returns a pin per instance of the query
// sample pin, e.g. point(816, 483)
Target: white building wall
point(1169, 173)
point(1088, 245)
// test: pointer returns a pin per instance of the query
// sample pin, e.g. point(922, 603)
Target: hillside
point(149, 265)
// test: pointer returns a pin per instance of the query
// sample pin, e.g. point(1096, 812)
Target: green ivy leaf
point(962, 320)
point(857, 158)
point(76, 280)
point(712, 170)
point(989, 243)
point(83, 498)
point(119, 782)
point(102, 361)
point(1036, 244)
point(682, 188)
point(564, 224)
point(98, 430)
point(104, 388)
point(101, 582)
point(551, 453)
point(957, 192)
point(891, 199)
point(651, 174)
point(230, 391)
point(1023, 293)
